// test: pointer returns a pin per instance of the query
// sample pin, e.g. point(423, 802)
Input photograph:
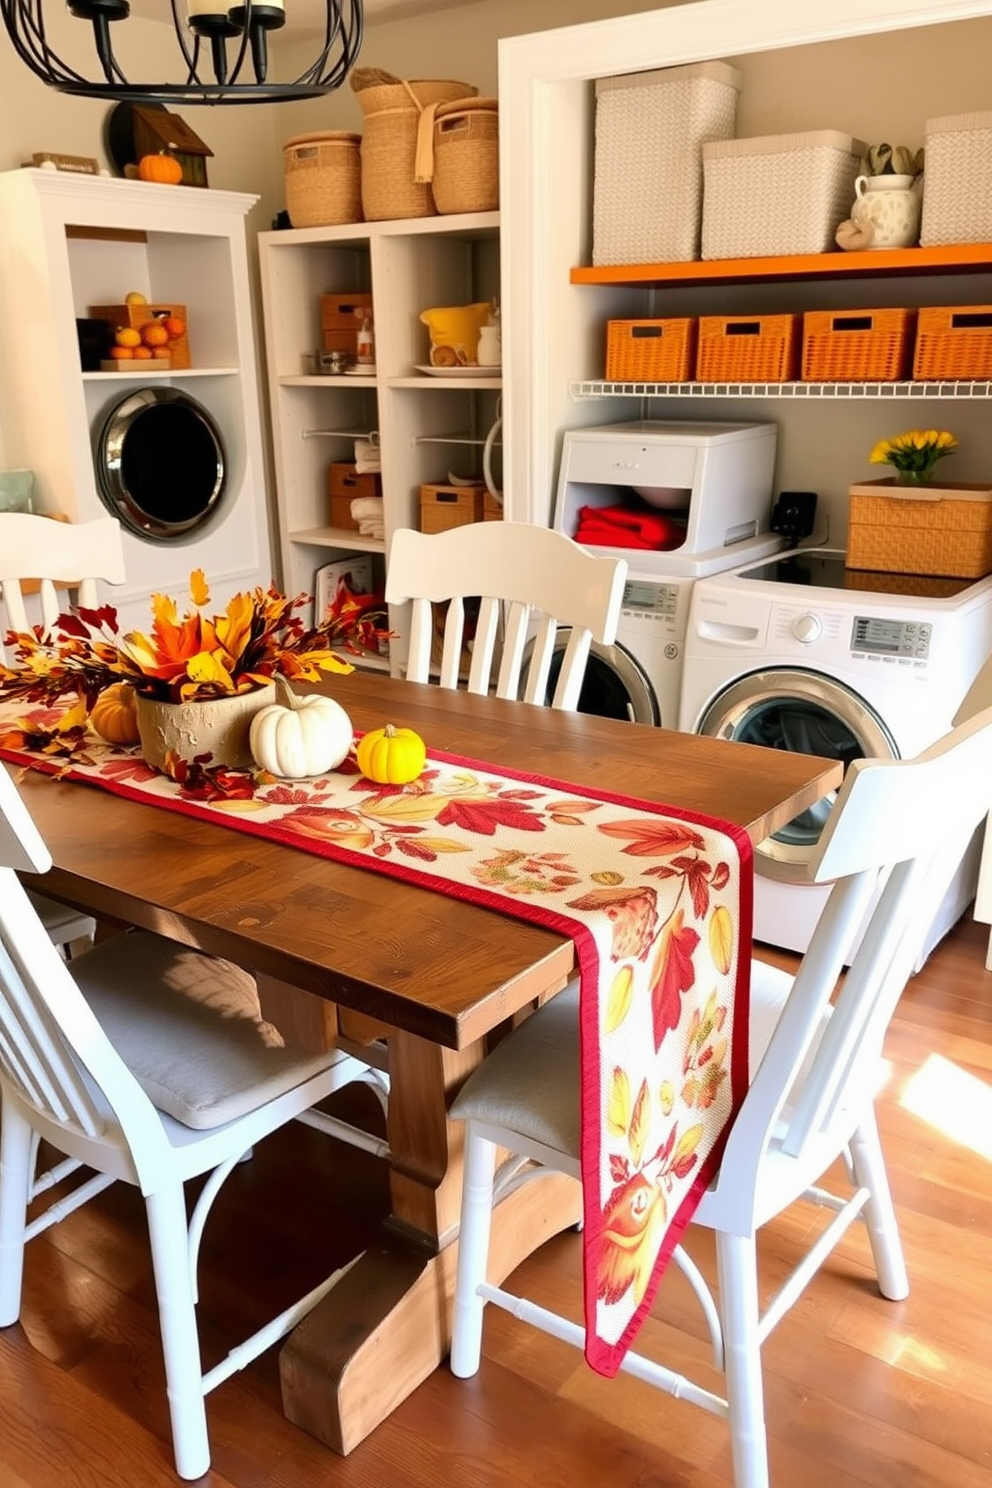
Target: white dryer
point(798, 652)
point(715, 482)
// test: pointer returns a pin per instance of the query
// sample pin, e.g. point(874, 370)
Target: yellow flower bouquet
point(914, 455)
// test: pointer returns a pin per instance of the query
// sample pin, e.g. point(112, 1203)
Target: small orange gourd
point(163, 167)
point(113, 715)
point(391, 756)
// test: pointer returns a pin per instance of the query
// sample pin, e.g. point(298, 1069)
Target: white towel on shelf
point(368, 528)
point(368, 458)
point(366, 506)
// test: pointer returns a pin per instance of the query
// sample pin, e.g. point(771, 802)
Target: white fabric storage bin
point(778, 193)
point(650, 129)
point(957, 181)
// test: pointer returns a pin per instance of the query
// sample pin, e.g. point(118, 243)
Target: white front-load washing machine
point(639, 678)
point(798, 652)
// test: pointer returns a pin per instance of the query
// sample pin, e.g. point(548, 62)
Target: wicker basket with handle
point(398, 141)
point(857, 345)
point(953, 341)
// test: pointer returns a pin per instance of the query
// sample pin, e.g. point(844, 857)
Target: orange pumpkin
point(113, 714)
point(163, 167)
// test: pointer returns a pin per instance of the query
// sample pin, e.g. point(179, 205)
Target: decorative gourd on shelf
point(296, 737)
point(163, 167)
point(113, 714)
point(391, 756)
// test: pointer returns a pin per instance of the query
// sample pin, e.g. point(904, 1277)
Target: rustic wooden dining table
point(340, 951)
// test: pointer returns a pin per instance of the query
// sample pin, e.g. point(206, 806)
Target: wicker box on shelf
point(857, 345)
point(343, 485)
point(778, 193)
point(953, 341)
point(648, 169)
point(957, 196)
point(748, 348)
point(443, 507)
point(650, 350)
point(933, 530)
point(341, 317)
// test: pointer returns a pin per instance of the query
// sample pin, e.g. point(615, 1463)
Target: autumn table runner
point(658, 904)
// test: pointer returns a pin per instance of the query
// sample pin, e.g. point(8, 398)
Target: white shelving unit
point(68, 241)
point(554, 324)
point(425, 425)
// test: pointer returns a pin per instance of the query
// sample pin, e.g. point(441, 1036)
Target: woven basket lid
point(322, 136)
point(464, 105)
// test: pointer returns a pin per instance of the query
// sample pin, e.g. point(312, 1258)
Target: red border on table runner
point(602, 1356)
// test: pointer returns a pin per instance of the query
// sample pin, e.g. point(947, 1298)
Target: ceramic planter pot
point(215, 726)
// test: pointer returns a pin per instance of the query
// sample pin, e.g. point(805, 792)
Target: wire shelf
point(838, 391)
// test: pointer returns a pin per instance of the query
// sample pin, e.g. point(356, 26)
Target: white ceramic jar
point(888, 208)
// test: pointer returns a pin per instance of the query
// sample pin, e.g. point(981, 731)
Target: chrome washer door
point(615, 684)
point(160, 464)
point(806, 713)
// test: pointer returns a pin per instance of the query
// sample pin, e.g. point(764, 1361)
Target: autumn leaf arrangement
point(186, 656)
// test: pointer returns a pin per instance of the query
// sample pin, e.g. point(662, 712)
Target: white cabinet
point(425, 425)
point(70, 241)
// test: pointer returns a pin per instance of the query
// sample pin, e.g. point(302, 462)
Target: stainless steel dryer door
point(615, 683)
point(807, 713)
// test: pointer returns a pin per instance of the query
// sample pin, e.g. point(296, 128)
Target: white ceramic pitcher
point(889, 208)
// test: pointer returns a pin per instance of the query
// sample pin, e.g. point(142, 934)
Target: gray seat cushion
point(530, 1082)
point(189, 1028)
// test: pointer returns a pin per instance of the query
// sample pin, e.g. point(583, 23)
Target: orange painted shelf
point(959, 257)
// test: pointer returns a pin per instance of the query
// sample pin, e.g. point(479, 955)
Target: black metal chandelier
point(216, 45)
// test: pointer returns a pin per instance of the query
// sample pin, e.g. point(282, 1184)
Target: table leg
point(387, 1324)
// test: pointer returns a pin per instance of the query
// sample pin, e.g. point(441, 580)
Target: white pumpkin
point(300, 736)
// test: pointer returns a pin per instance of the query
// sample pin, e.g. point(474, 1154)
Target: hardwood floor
point(859, 1390)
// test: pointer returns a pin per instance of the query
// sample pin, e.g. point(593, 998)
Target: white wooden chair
point(108, 1061)
point(73, 555)
point(530, 578)
point(814, 1072)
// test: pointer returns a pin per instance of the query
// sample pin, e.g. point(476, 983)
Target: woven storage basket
point(779, 193)
point(650, 350)
point(398, 141)
point(466, 156)
point(957, 184)
point(648, 187)
point(748, 348)
point(443, 507)
point(323, 178)
point(953, 341)
point(857, 345)
point(937, 530)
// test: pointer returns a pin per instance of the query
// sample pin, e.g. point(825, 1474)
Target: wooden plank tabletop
point(434, 966)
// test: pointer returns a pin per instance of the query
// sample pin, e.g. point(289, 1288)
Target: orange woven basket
point(747, 348)
point(857, 345)
point(953, 341)
point(650, 350)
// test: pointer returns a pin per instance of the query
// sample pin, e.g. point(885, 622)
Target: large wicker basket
point(398, 140)
point(466, 156)
point(323, 178)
